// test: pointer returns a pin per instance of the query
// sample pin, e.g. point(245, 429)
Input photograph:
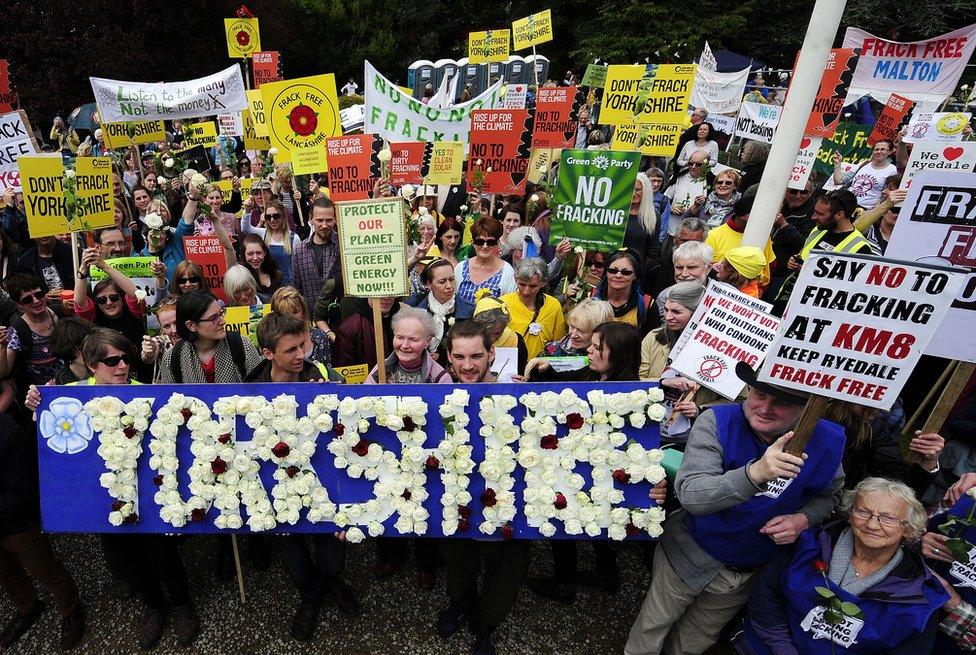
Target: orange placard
point(499, 150)
point(891, 118)
point(825, 115)
point(409, 162)
point(208, 252)
point(556, 113)
point(353, 166)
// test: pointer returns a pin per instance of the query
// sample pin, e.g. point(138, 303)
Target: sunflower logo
point(303, 120)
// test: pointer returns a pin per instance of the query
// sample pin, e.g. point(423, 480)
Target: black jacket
point(19, 509)
point(30, 263)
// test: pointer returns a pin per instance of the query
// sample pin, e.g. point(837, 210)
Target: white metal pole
point(803, 91)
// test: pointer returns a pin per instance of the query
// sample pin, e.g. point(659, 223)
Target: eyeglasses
point(486, 242)
point(107, 298)
point(695, 163)
point(32, 297)
point(797, 192)
point(723, 182)
point(613, 270)
point(195, 279)
point(216, 319)
point(114, 360)
point(598, 264)
point(886, 520)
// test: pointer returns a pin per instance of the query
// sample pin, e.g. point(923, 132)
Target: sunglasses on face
point(195, 279)
point(613, 270)
point(114, 360)
point(32, 297)
point(107, 298)
point(274, 216)
point(797, 192)
point(486, 242)
point(595, 264)
point(694, 164)
point(723, 183)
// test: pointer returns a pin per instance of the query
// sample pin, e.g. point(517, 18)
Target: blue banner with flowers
point(484, 461)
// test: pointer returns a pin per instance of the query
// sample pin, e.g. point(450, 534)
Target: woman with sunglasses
point(280, 240)
point(260, 263)
point(620, 287)
point(206, 353)
point(188, 276)
point(719, 202)
point(116, 305)
point(486, 270)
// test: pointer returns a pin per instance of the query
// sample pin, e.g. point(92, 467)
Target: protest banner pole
point(247, 75)
point(74, 251)
point(535, 69)
point(940, 383)
point(948, 397)
point(378, 336)
point(237, 565)
point(812, 412)
point(819, 38)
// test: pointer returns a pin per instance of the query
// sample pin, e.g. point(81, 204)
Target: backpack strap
point(236, 343)
point(174, 362)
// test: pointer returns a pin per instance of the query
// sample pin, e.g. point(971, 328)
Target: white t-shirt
point(868, 183)
point(684, 191)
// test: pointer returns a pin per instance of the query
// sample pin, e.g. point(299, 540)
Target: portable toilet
point(516, 70)
point(419, 75)
point(443, 67)
point(496, 71)
point(541, 66)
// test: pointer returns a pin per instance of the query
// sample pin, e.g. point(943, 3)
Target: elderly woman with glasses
point(536, 315)
point(486, 270)
point(854, 587)
point(206, 353)
point(580, 323)
point(719, 202)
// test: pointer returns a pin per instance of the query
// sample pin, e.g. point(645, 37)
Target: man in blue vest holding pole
point(743, 498)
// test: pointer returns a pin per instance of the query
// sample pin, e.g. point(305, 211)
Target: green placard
point(127, 266)
point(851, 140)
point(593, 197)
point(595, 76)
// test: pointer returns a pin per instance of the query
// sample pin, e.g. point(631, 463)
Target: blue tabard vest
point(957, 573)
point(891, 615)
point(732, 535)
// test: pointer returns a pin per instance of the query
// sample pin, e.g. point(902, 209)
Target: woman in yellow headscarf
point(741, 268)
point(494, 315)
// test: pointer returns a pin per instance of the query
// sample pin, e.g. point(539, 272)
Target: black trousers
point(150, 562)
point(311, 577)
point(505, 564)
point(394, 550)
point(565, 559)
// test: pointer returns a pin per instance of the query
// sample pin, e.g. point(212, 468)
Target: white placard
point(757, 122)
point(945, 157)
point(803, 166)
point(231, 124)
point(15, 141)
point(715, 289)
point(515, 96)
point(946, 127)
point(719, 93)
point(856, 326)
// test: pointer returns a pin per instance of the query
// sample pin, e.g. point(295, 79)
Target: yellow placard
point(251, 139)
point(532, 30)
point(301, 114)
point(654, 139)
point(238, 319)
point(406, 89)
point(620, 94)
point(123, 135)
point(243, 37)
point(446, 159)
point(227, 188)
point(42, 178)
point(200, 134)
point(664, 97)
point(255, 110)
point(484, 47)
point(354, 373)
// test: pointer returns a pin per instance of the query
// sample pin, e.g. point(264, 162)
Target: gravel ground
point(397, 616)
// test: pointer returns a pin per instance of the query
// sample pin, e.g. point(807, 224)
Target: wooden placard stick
point(910, 425)
point(378, 336)
point(237, 565)
point(948, 397)
point(812, 412)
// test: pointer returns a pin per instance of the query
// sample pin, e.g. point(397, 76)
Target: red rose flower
point(361, 448)
point(303, 121)
point(549, 442)
point(218, 466)
point(186, 414)
point(488, 498)
point(224, 438)
point(432, 463)
point(632, 530)
point(621, 476)
point(130, 519)
point(244, 12)
point(158, 480)
point(463, 525)
point(408, 424)
point(820, 565)
point(117, 505)
point(507, 532)
point(198, 514)
point(560, 502)
point(340, 429)
point(129, 431)
point(292, 471)
point(406, 495)
point(464, 511)
point(574, 421)
point(243, 38)
point(280, 449)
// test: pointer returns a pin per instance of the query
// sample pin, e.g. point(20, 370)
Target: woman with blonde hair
point(719, 201)
point(279, 237)
point(580, 323)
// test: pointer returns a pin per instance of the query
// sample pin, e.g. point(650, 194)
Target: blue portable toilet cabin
point(517, 72)
point(419, 74)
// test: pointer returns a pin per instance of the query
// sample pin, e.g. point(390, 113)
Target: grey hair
point(916, 518)
point(702, 111)
point(695, 251)
point(529, 267)
point(591, 312)
point(692, 224)
point(754, 151)
point(236, 279)
point(654, 171)
point(516, 238)
point(701, 151)
point(427, 219)
point(645, 213)
point(687, 294)
point(406, 312)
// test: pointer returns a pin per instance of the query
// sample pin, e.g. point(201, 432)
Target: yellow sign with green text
point(43, 178)
point(532, 30)
point(484, 47)
point(664, 97)
point(243, 37)
point(654, 139)
point(123, 135)
point(301, 114)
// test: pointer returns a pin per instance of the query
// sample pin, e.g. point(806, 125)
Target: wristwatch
point(82, 276)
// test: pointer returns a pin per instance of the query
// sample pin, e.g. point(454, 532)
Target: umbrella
point(84, 118)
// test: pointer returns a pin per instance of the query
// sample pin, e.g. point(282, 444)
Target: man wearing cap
point(729, 235)
point(743, 500)
point(261, 195)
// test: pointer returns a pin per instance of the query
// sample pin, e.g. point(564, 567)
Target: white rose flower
point(273, 151)
point(547, 529)
point(354, 535)
point(617, 532)
point(169, 162)
point(655, 412)
point(407, 191)
point(655, 394)
point(384, 155)
point(153, 221)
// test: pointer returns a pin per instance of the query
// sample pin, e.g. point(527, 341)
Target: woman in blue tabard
point(850, 588)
